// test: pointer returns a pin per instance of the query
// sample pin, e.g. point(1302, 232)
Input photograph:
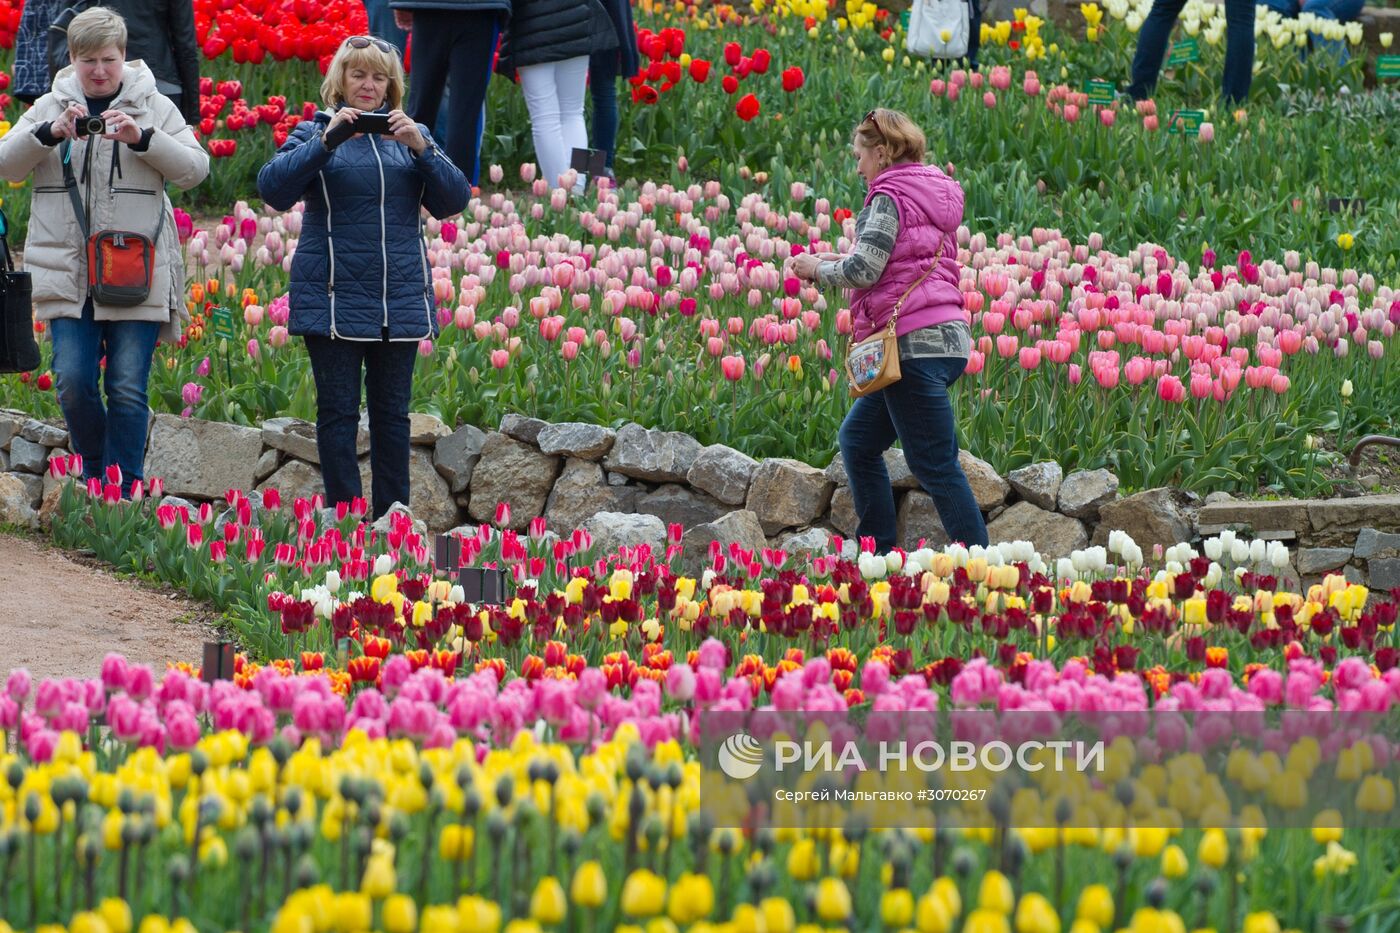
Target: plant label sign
point(1388, 66)
point(1100, 92)
point(223, 323)
point(1186, 121)
point(1184, 52)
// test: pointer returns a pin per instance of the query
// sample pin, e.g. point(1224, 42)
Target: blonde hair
point(95, 29)
point(901, 136)
point(371, 58)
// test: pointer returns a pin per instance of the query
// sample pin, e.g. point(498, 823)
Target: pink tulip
point(989, 100)
point(277, 337)
point(1170, 389)
point(1107, 116)
point(500, 358)
point(732, 367)
point(1029, 357)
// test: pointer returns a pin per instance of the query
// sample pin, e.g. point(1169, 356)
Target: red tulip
point(699, 70)
point(733, 51)
point(761, 59)
point(644, 94)
point(747, 108)
point(793, 78)
point(730, 84)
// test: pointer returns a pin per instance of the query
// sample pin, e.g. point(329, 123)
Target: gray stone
point(1333, 517)
point(1353, 575)
point(10, 423)
point(514, 472)
point(843, 511)
point(294, 480)
point(1219, 496)
point(1054, 535)
point(1385, 574)
point(16, 505)
point(614, 530)
point(294, 437)
point(655, 456)
point(41, 432)
point(788, 493)
point(741, 526)
point(580, 493)
point(1039, 483)
point(1314, 560)
point(1242, 514)
point(428, 492)
point(1084, 491)
point(522, 428)
point(1371, 543)
point(988, 487)
point(455, 456)
point(918, 519)
point(577, 439)
point(27, 456)
point(675, 504)
point(618, 479)
point(807, 543)
point(1155, 516)
point(4, 461)
point(267, 464)
point(895, 465)
point(425, 429)
point(35, 487)
point(723, 472)
point(53, 495)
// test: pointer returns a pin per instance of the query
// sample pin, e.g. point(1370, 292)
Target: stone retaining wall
point(627, 485)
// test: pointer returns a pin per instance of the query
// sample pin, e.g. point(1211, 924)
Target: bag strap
point(937, 257)
point(71, 183)
point(8, 257)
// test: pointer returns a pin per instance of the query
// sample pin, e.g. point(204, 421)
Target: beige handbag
point(873, 363)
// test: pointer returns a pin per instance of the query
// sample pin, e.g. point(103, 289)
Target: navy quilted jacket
point(360, 271)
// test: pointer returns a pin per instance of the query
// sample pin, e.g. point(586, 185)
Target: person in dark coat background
point(453, 42)
point(604, 68)
point(549, 43)
point(159, 33)
point(361, 291)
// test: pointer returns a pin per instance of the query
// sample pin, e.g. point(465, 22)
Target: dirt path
point(60, 617)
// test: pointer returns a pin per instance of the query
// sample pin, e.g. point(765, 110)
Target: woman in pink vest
point(905, 236)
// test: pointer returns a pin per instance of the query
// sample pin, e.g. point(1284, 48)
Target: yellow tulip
point(1035, 914)
point(1327, 827)
point(1174, 862)
point(777, 915)
point(1261, 922)
point(379, 880)
point(643, 893)
point(897, 907)
point(986, 921)
point(996, 893)
point(351, 912)
point(833, 900)
point(117, 913)
point(1214, 849)
point(1096, 906)
point(400, 914)
point(932, 916)
point(1375, 795)
point(548, 904)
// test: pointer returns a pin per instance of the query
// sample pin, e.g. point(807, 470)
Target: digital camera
point(89, 126)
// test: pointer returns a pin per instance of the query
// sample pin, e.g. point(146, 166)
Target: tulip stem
point(427, 852)
point(33, 876)
point(57, 865)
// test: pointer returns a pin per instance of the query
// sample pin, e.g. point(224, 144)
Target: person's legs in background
point(974, 34)
point(77, 348)
point(1342, 11)
point(1239, 51)
point(432, 54)
point(602, 84)
point(388, 391)
point(129, 347)
point(1153, 37)
point(922, 414)
point(469, 78)
point(336, 366)
point(866, 433)
point(570, 86)
point(537, 83)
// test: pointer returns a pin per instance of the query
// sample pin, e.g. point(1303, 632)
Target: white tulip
point(1278, 555)
point(383, 564)
point(457, 594)
point(1213, 548)
point(1065, 570)
point(332, 582)
point(1239, 552)
point(1258, 550)
point(872, 567)
point(894, 562)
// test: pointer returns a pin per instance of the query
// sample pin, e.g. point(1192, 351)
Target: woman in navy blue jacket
point(361, 290)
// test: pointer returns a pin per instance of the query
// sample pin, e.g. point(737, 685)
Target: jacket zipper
point(330, 249)
point(383, 239)
point(427, 276)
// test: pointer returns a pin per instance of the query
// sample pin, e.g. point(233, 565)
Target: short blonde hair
point(901, 136)
point(371, 58)
point(95, 29)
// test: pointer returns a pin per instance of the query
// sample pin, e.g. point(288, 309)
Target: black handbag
point(18, 351)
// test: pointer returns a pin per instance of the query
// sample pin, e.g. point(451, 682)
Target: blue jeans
point(1343, 11)
point(917, 412)
point(602, 83)
point(1157, 32)
point(115, 433)
point(386, 370)
point(452, 55)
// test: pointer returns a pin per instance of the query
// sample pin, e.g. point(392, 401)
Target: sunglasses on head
point(364, 42)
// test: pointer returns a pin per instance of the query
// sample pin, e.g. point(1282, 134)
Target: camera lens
point(88, 126)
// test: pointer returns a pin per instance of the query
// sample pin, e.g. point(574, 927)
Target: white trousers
point(554, 94)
